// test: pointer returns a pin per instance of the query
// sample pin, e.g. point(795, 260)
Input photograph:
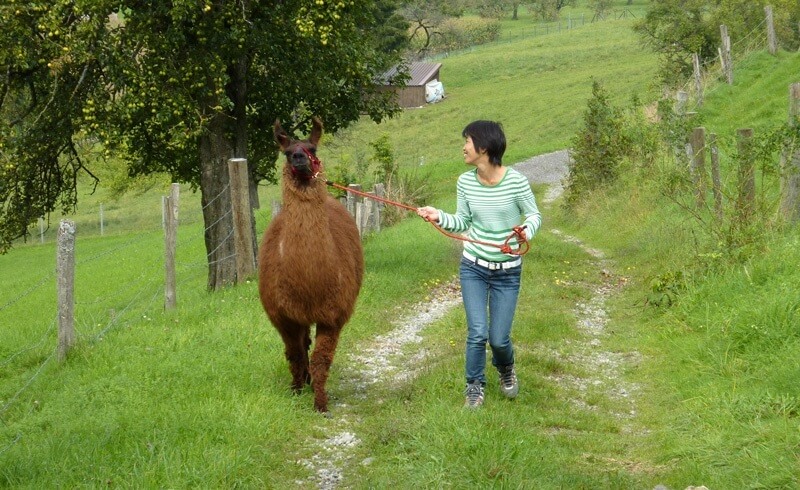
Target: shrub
point(404, 187)
point(597, 148)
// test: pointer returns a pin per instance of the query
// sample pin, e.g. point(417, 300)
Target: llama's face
point(301, 155)
point(302, 160)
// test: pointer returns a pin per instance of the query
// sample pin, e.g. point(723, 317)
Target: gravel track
point(377, 362)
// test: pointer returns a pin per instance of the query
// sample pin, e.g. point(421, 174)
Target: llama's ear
point(316, 131)
point(280, 135)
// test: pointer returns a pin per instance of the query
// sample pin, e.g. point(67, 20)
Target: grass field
point(199, 396)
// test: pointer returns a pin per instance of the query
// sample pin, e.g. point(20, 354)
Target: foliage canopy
point(177, 87)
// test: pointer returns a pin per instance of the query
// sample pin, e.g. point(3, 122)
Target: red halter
point(315, 163)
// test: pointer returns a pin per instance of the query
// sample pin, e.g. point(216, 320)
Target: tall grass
point(721, 360)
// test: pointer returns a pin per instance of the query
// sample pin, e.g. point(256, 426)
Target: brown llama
point(310, 265)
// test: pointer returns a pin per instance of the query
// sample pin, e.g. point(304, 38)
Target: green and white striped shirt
point(489, 213)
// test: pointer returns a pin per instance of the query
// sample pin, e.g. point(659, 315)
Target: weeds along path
point(334, 446)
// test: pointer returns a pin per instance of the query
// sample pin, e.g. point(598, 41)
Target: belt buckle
point(494, 266)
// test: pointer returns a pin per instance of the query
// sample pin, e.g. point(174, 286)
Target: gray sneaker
point(508, 381)
point(474, 393)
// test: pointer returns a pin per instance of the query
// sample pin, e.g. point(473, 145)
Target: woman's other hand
point(429, 213)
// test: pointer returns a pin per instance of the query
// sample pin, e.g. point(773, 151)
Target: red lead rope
point(505, 248)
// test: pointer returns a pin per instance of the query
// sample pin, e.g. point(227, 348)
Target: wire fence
point(118, 283)
point(712, 71)
point(561, 25)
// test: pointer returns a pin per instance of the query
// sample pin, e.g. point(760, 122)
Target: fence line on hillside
point(129, 301)
point(542, 28)
point(707, 74)
point(366, 213)
point(744, 201)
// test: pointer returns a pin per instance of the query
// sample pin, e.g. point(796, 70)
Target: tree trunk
point(215, 150)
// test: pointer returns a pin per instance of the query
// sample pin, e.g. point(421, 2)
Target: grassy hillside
point(198, 397)
point(722, 370)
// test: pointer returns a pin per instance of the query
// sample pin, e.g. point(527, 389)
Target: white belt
point(493, 266)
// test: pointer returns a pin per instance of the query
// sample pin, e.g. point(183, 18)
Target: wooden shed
point(413, 93)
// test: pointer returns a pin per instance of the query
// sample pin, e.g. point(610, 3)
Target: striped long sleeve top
point(489, 213)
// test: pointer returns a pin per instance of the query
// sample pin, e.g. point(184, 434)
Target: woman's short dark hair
point(489, 136)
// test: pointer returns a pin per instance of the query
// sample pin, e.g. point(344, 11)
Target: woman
point(492, 202)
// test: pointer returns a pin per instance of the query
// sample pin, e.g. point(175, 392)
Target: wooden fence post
point(715, 180)
point(771, 38)
point(352, 198)
point(380, 191)
point(242, 219)
point(170, 214)
point(790, 201)
point(65, 284)
point(697, 140)
point(361, 216)
point(679, 150)
point(747, 185)
point(725, 54)
point(698, 79)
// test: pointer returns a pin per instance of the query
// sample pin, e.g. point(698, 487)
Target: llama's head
point(301, 155)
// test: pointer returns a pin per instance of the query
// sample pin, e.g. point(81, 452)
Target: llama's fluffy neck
point(309, 193)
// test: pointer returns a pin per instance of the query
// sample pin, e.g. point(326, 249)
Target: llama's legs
point(296, 340)
point(321, 360)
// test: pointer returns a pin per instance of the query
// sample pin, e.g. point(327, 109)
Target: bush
point(597, 149)
point(403, 187)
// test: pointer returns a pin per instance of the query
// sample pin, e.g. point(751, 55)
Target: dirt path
point(378, 362)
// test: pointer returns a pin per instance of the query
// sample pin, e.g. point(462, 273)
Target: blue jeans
point(490, 299)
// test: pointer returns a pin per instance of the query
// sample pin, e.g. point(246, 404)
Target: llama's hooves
point(326, 414)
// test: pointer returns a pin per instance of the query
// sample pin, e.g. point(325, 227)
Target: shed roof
point(421, 73)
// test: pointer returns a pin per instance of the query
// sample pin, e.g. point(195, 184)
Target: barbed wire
point(138, 238)
point(711, 69)
point(223, 191)
point(16, 395)
point(42, 340)
point(29, 291)
point(753, 31)
point(11, 444)
point(115, 320)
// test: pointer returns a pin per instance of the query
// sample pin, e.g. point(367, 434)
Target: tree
point(678, 29)
point(548, 9)
point(600, 7)
point(496, 9)
point(597, 149)
point(177, 87)
point(425, 18)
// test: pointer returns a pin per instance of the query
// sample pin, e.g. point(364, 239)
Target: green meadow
point(198, 396)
